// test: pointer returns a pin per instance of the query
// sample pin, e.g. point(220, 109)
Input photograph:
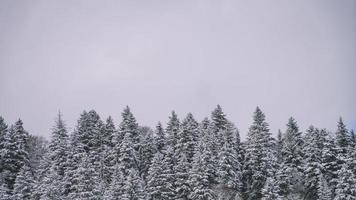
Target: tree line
point(184, 160)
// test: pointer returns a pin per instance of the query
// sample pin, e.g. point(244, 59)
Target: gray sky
point(292, 58)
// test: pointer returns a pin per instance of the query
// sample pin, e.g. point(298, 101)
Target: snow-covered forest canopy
point(184, 159)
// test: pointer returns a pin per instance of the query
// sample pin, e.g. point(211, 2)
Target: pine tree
point(88, 131)
point(202, 173)
point(186, 139)
point(109, 155)
point(172, 130)
point(181, 183)
point(313, 148)
point(291, 160)
point(159, 186)
point(147, 151)
point(229, 167)
point(159, 138)
point(133, 186)
point(129, 126)
point(58, 146)
point(3, 133)
point(127, 156)
point(115, 190)
point(270, 190)
point(346, 185)
point(342, 138)
point(324, 191)
point(15, 152)
point(86, 182)
point(257, 147)
point(23, 187)
point(330, 162)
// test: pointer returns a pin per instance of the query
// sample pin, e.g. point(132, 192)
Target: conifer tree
point(109, 155)
point(314, 143)
point(58, 146)
point(186, 139)
point(86, 182)
point(270, 190)
point(290, 173)
point(115, 189)
point(342, 138)
point(181, 183)
point(229, 167)
point(160, 138)
point(3, 133)
point(146, 152)
point(324, 191)
point(15, 153)
point(201, 174)
point(133, 186)
point(159, 186)
point(258, 146)
point(24, 184)
point(346, 185)
point(172, 130)
point(127, 156)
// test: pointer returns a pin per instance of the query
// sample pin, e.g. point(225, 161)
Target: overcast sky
point(291, 58)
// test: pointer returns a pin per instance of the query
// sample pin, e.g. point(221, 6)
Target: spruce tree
point(58, 146)
point(324, 191)
point(3, 133)
point(15, 153)
point(342, 138)
point(346, 185)
point(159, 186)
point(291, 170)
point(159, 138)
point(24, 184)
point(258, 146)
point(271, 190)
point(172, 130)
point(201, 174)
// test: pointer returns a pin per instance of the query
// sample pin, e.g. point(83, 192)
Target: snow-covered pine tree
point(181, 183)
point(51, 186)
point(186, 139)
point(133, 187)
point(147, 151)
point(219, 123)
point(229, 166)
point(330, 162)
point(324, 191)
point(270, 190)
point(3, 132)
point(58, 147)
point(343, 139)
point(159, 186)
point(353, 138)
point(15, 153)
point(202, 172)
point(257, 147)
point(88, 131)
point(127, 156)
point(172, 130)
point(115, 189)
point(86, 182)
point(129, 126)
point(109, 156)
point(346, 185)
point(159, 138)
point(291, 171)
point(313, 147)
point(24, 184)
